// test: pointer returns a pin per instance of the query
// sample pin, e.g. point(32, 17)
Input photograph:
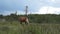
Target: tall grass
point(33, 28)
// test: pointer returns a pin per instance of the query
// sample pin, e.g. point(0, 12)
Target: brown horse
point(23, 19)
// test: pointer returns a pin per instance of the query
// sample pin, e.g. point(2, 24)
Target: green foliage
point(35, 18)
point(45, 18)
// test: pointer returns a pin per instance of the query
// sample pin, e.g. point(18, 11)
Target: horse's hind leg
point(20, 22)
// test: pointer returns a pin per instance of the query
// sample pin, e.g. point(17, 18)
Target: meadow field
point(32, 28)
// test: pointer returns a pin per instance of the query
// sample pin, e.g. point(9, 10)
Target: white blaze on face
point(49, 10)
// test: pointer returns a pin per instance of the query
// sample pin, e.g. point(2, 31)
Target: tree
point(1, 16)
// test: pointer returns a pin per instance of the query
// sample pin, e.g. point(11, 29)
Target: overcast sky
point(35, 6)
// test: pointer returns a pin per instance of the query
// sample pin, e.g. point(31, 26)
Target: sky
point(34, 6)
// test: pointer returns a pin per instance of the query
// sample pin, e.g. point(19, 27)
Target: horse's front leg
point(27, 21)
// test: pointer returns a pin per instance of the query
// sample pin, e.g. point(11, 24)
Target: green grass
point(32, 28)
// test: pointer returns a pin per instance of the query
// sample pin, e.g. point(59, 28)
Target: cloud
point(20, 12)
point(57, 1)
point(13, 12)
point(9, 6)
point(51, 0)
point(54, 1)
point(43, 10)
point(49, 10)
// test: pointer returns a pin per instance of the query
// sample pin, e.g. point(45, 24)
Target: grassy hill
point(33, 28)
point(39, 24)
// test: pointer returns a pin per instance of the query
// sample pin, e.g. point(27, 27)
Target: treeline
point(45, 18)
point(34, 18)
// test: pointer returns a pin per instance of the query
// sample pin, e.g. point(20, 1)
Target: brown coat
point(22, 19)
